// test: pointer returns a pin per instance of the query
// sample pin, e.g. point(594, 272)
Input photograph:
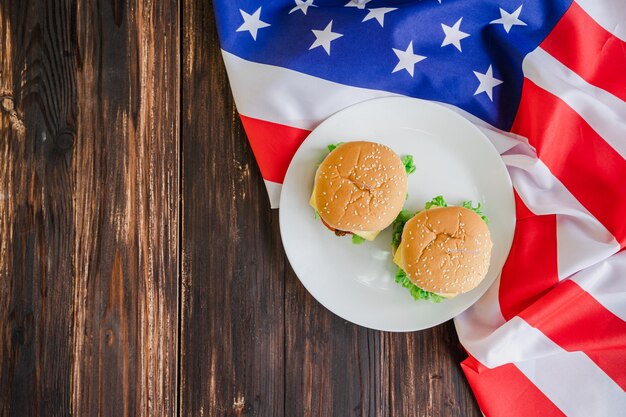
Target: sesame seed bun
point(445, 250)
point(360, 186)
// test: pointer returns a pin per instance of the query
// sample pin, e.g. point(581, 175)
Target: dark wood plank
point(335, 367)
point(232, 349)
point(426, 377)
point(89, 208)
point(126, 298)
point(38, 104)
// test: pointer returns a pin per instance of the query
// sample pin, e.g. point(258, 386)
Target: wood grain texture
point(426, 379)
point(336, 368)
point(126, 241)
point(38, 109)
point(232, 335)
point(89, 208)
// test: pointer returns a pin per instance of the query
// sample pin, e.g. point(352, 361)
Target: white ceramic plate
point(453, 159)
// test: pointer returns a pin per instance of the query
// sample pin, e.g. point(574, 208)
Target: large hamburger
point(442, 251)
point(360, 188)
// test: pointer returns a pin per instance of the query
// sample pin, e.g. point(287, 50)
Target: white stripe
point(273, 190)
point(280, 95)
point(604, 112)
point(481, 320)
point(517, 341)
point(582, 239)
point(576, 385)
point(571, 380)
point(484, 334)
point(562, 376)
point(501, 140)
point(606, 283)
point(581, 242)
point(288, 97)
point(610, 14)
point(291, 98)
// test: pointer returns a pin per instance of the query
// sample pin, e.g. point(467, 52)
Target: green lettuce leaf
point(357, 240)
point(334, 146)
point(398, 227)
point(478, 210)
point(416, 292)
point(409, 166)
point(436, 202)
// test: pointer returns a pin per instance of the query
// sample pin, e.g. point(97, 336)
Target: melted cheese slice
point(312, 200)
point(397, 258)
point(367, 235)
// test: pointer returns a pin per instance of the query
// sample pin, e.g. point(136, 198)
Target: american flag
point(546, 82)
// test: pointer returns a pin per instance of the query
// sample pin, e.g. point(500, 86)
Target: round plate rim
point(409, 101)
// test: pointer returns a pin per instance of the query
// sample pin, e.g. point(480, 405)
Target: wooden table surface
point(141, 269)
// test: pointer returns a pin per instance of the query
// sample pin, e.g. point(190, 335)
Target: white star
point(324, 37)
point(407, 59)
point(453, 35)
point(252, 22)
point(487, 83)
point(378, 14)
point(508, 20)
point(360, 4)
point(303, 5)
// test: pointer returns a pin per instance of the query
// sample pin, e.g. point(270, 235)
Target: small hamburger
point(441, 251)
point(360, 188)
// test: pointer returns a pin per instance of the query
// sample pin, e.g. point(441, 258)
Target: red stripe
point(531, 268)
point(588, 166)
point(589, 50)
point(576, 321)
point(506, 391)
point(273, 145)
